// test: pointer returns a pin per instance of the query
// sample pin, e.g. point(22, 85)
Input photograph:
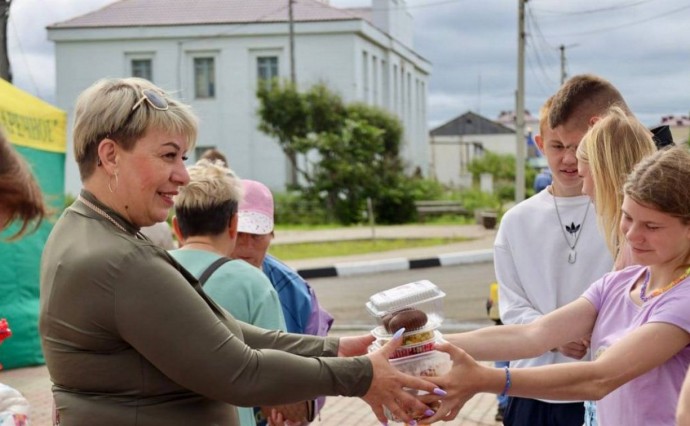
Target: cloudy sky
point(642, 46)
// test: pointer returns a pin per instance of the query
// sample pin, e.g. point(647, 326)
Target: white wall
point(329, 52)
point(450, 155)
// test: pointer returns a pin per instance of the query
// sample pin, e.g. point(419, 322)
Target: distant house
point(456, 143)
point(212, 54)
point(508, 119)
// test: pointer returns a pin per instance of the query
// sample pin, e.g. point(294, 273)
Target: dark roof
point(470, 123)
point(126, 13)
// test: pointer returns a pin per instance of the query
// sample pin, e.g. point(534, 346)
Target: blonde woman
point(607, 154)
point(129, 336)
point(637, 317)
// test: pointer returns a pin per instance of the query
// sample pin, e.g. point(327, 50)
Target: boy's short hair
point(544, 115)
point(213, 155)
point(584, 96)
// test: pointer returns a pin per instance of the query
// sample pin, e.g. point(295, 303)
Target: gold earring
point(117, 183)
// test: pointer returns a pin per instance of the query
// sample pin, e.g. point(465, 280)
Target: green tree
point(502, 167)
point(350, 151)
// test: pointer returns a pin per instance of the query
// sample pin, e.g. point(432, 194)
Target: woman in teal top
point(205, 223)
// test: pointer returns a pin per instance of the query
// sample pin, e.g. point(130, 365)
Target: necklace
point(572, 229)
point(643, 290)
point(102, 213)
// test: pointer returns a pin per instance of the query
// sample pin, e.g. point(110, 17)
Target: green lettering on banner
point(23, 126)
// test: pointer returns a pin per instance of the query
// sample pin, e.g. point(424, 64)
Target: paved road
point(466, 288)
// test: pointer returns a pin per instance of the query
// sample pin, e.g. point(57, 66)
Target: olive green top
point(130, 338)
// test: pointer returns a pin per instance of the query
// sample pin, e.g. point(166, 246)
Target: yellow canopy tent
point(38, 132)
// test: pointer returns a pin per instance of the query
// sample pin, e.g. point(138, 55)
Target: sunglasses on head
point(154, 99)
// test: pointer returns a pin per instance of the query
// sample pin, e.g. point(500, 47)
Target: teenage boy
point(547, 252)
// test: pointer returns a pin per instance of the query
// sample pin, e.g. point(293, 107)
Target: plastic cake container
point(423, 295)
point(411, 349)
point(428, 364)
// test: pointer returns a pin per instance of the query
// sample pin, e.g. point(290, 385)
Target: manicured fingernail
point(384, 423)
point(412, 423)
point(440, 392)
point(429, 412)
point(398, 334)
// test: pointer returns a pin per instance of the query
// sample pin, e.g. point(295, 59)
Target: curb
point(397, 264)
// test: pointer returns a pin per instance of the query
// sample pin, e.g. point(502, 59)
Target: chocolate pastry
point(411, 319)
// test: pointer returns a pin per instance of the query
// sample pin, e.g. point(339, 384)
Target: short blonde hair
point(105, 110)
point(612, 148)
point(209, 201)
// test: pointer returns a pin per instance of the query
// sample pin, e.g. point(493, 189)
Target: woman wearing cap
point(301, 309)
point(129, 337)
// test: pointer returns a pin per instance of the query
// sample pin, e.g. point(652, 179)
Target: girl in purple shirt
point(638, 319)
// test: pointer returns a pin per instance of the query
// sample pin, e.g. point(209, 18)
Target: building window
point(385, 89)
point(200, 149)
point(375, 81)
point(267, 68)
point(204, 78)
point(365, 77)
point(142, 68)
point(396, 91)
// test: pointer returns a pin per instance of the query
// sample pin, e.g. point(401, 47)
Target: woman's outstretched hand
point(388, 388)
point(459, 383)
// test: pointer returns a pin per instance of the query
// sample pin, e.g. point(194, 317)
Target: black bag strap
point(212, 268)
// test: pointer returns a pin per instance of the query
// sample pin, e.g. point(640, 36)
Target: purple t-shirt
point(650, 399)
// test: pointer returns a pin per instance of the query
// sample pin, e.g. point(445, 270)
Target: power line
point(418, 6)
point(613, 28)
point(24, 58)
point(534, 29)
point(597, 10)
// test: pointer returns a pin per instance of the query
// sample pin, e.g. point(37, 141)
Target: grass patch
point(304, 227)
point(348, 247)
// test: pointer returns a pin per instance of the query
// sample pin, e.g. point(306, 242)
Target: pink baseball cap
point(255, 213)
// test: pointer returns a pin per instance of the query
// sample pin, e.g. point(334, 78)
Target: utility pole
point(563, 74)
point(5, 70)
point(520, 108)
point(292, 163)
point(291, 19)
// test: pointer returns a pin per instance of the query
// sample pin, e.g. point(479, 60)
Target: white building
point(212, 53)
point(456, 143)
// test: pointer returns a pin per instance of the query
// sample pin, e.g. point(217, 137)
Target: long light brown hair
point(20, 196)
point(662, 182)
point(612, 148)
